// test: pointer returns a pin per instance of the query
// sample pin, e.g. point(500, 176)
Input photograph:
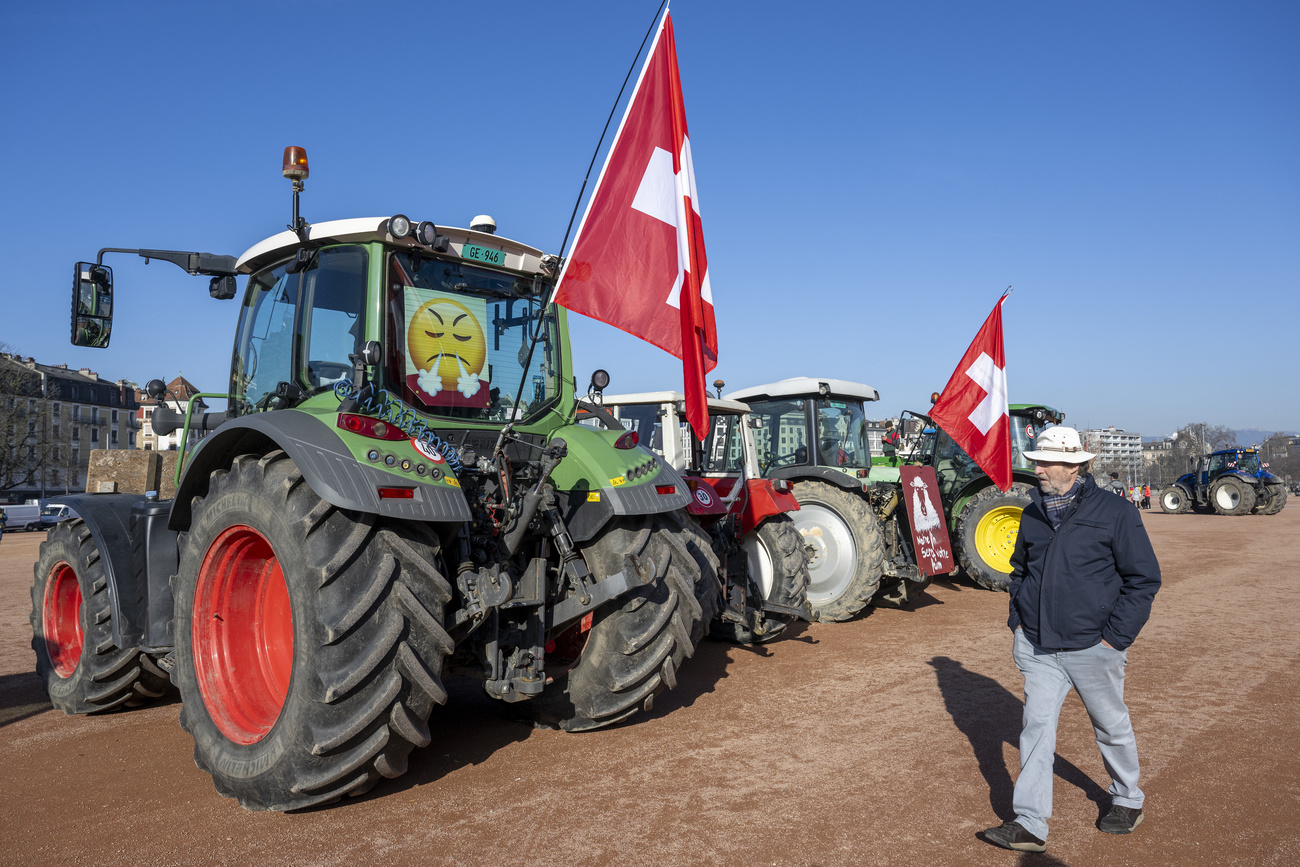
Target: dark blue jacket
point(1092, 578)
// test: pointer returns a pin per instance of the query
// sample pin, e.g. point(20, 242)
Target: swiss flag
point(638, 261)
point(973, 405)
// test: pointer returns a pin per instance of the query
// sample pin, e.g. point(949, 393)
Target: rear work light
point(627, 440)
point(370, 427)
point(397, 493)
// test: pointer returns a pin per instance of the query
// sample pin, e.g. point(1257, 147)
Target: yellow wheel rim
point(995, 536)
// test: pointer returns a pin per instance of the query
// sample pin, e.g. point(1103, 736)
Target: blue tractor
point(1230, 482)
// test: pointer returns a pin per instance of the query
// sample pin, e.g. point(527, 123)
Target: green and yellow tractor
point(982, 521)
point(396, 493)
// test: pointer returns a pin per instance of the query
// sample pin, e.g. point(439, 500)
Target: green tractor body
point(397, 493)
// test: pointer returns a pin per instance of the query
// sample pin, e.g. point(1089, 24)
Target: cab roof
point(519, 257)
point(807, 386)
point(661, 397)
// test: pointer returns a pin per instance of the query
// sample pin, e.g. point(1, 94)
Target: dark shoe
point(1120, 820)
point(1010, 835)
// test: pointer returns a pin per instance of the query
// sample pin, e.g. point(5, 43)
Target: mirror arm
point(195, 263)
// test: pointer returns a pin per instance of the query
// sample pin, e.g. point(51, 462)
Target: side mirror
point(92, 305)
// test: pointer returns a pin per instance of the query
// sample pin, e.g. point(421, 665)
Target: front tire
point(1276, 501)
point(309, 640)
point(848, 549)
point(637, 642)
point(72, 630)
point(1231, 496)
point(777, 571)
point(1174, 501)
point(986, 533)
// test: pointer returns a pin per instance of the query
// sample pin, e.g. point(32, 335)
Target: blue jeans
point(1097, 675)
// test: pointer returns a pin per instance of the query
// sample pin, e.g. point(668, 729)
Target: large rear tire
point(986, 533)
point(1174, 501)
point(777, 568)
point(309, 640)
point(72, 630)
point(1231, 496)
point(848, 549)
point(635, 643)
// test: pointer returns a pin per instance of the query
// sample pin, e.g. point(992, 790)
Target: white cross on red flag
point(638, 260)
point(973, 406)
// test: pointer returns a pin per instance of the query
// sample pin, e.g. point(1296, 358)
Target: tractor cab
point(809, 424)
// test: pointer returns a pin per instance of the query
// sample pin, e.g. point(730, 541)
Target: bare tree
point(35, 432)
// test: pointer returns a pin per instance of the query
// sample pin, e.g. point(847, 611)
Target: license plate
point(483, 254)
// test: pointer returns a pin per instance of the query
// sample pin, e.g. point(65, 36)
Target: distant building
point(50, 420)
point(1115, 447)
point(180, 392)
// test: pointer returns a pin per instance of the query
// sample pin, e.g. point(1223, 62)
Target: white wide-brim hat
point(1059, 444)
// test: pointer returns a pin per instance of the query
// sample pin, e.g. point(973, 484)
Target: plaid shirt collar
point(1055, 505)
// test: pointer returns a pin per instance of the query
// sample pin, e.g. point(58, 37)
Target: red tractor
point(763, 556)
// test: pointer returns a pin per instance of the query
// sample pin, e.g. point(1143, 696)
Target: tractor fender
point(108, 518)
point(826, 474)
point(586, 511)
point(327, 466)
point(1247, 478)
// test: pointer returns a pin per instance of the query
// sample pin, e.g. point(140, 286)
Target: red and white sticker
point(1029, 431)
point(427, 450)
point(702, 494)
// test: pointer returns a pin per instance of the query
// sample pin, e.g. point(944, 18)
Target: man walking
point(1083, 575)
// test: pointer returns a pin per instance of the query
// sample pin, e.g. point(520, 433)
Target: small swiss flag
point(973, 405)
point(638, 260)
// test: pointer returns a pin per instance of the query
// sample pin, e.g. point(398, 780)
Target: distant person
point(1146, 496)
point(1083, 575)
point(4, 519)
point(1116, 486)
point(890, 442)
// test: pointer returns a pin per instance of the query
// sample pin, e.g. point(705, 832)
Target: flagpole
point(550, 295)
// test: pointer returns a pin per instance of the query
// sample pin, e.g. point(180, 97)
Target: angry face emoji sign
point(447, 350)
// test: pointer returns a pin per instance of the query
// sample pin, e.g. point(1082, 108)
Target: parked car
point(54, 514)
point(24, 517)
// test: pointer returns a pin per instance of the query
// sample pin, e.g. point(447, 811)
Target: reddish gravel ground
point(886, 740)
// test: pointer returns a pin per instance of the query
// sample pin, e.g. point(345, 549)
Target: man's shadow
point(989, 716)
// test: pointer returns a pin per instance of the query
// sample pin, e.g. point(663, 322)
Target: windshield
point(1023, 432)
point(458, 340)
point(722, 448)
point(782, 440)
point(842, 434)
point(1245, 462)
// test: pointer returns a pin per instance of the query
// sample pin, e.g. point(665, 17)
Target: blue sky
point(871, 176)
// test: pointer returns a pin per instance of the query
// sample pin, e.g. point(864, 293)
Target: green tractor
point(983, 521)
point(812, 435)
point(397, 493)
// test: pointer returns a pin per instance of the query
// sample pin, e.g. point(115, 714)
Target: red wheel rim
point(61, 619)
point(243, 634)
